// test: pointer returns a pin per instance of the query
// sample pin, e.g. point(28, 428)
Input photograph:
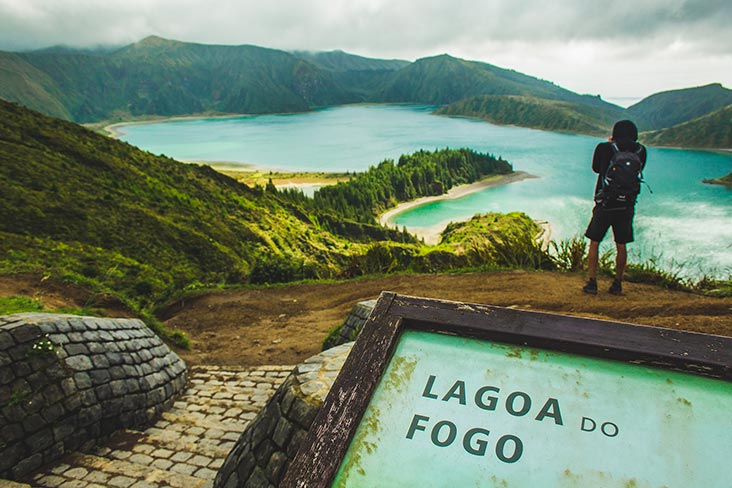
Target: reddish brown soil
point(286, 324)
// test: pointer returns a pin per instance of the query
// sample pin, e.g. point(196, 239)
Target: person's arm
point(597, 159)
point(643, 155)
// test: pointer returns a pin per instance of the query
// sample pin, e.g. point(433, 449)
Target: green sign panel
point(451, 394)
point(453, 411)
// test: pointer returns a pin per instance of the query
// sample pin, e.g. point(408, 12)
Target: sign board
point(451, 394)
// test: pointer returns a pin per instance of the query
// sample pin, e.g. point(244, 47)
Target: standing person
point(619, 164)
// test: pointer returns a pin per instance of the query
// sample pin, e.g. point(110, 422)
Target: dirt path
point(287, 324)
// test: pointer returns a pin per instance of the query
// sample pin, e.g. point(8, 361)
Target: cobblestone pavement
point(188, 443)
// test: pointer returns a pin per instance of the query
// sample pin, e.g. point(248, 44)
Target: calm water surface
point(683, 223)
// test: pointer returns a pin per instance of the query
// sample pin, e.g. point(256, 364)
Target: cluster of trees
point(424, 173)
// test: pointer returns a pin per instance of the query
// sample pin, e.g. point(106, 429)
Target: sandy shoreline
point(431, 234)
point(456, 192)
point(113, 130)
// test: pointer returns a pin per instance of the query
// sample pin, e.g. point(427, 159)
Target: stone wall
point(263, 452)
point(67, 380)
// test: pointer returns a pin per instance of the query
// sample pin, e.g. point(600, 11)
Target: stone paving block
point(197, 431)
point(205, 473)
point(144, 484)
point(214, 434)
point(121, 481)
point(140, 459)
point(181, 457)
point(183, 468)
point(97, 477)
point(60, 468)
point(199, 460)
point(118, 454)
point(161, 453)
point(143, 448)
point(50, 481)
point(75, 484)
point(163, 464)
point(76, 473)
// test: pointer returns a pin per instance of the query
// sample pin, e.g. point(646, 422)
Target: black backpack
point(622, 181)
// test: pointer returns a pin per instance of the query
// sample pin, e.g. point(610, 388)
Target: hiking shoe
point(590, 287)
point(616, 288)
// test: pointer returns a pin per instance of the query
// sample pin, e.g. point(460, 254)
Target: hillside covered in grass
point(102, 212)
point(535, 113)
point(86, 209)
point(670, 108)
point(713, 130)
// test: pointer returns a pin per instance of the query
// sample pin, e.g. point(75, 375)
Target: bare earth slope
point(287, 324)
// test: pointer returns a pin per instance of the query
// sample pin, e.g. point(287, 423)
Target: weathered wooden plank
point(333, 428)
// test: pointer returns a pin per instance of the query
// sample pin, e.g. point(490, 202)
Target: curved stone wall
point(68, 380)
point(261, 456)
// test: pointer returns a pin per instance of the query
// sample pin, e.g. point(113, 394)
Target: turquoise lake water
point(682, 221)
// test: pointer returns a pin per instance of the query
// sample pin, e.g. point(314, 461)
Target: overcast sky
point(613, 48)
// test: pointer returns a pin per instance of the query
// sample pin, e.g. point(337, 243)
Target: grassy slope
point(100, 211)
point(95, 211)
point(536, 113)
point(162, 77)
point(26, 84)
point(713, 130)
point(444, 79)
point(342, 61)
point(666, 109)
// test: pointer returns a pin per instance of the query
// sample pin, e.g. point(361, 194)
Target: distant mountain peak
point(439, 57)
point(155, 41)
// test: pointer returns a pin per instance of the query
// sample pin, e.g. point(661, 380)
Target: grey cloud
point(515, 32)
point(419, 25)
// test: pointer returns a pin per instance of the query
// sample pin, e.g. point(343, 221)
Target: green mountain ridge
point(713, 130)
point(340, 61)
point(162, 77)
point(670, 108)
point(532, 112)
point(30, 86)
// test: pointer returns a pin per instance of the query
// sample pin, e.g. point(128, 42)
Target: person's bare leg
point(621, 261)
point(592, 259)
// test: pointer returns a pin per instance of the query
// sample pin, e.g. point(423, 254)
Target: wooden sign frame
point(322, 452)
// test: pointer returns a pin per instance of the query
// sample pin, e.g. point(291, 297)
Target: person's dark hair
point(625, 130)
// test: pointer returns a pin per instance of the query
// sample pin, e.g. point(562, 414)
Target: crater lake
point(684, 226)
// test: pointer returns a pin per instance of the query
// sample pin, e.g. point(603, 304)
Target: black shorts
point(620, 220)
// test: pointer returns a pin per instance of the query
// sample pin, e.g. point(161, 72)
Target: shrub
point(570, 254)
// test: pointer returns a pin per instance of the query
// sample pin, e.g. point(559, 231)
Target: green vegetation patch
point(537, 113)
point(424, 173)
point(712, 130)
point(10, 305)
